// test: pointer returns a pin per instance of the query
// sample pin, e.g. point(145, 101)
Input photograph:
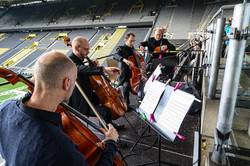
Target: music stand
point(159, 135)
point(167, 119)
point(168, 63)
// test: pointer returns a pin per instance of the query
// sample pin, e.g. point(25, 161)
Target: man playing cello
point(122, 56)
point(30, 130)
point(156, 42)
point(80, 52)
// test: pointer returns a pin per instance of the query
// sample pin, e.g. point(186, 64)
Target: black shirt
point(76, 100)
point(121, 53)
point(151, 43)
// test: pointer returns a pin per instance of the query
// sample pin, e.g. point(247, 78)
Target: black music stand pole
point(139, 138)
point(158, 161)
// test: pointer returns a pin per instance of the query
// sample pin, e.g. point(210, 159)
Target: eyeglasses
point(86, 49)
point(131, 41)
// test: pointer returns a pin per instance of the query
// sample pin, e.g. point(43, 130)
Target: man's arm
point(111, 70)
point(108, 154)
point(170, 46)
point(89, 70)
point(119, 56)
point(143, 45)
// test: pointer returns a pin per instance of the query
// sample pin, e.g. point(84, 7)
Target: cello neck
point(137, 59)
point(79, 115)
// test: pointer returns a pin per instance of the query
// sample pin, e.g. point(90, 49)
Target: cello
point(137, 70)
point(87, 141)
point(158, 50)
point(108, 95)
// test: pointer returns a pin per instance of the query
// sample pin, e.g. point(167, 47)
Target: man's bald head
point(51, 68)
point(80, 47)
point(78, 41)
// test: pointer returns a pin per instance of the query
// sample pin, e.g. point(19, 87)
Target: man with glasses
point(122, 55)
point(80, 52)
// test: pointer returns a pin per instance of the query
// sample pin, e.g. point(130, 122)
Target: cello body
point(158, 50)
point(137, 72)
point(109, 96)
point(84, 138)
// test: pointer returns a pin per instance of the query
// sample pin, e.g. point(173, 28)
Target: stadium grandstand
point(30, 28)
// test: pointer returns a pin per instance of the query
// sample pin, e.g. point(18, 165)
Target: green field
point(10, 91)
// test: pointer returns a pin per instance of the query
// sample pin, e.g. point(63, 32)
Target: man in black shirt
point(80, 52)
point(122, 55)
point(152, 43)
point(30, 130)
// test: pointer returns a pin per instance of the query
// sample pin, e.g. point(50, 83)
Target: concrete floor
point(179, 152)
point(145, 152)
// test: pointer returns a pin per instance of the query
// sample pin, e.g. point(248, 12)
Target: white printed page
point(175, 110)
point(152, 97)
point(153, 77)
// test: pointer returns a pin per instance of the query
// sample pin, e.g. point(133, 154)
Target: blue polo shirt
point(31, 136)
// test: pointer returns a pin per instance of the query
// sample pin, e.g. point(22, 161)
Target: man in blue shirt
point(30, 130)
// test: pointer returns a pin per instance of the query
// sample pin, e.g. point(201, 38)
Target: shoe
point(139, 100)
point(118, 126)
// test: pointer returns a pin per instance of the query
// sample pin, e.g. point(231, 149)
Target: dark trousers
point(103, 111)
point(126, 88)
point(125, 91)
point(140, 93)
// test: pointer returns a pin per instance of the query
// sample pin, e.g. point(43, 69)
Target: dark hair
point(128, 35)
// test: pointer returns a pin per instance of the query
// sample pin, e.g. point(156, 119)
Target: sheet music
point(154, 75)
point(175, 110)
point(163, 102)
point(152, 97)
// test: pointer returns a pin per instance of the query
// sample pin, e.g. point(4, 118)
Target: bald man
point(80, 48)
point(152, 43)
point(156, 41)
point(30, 130)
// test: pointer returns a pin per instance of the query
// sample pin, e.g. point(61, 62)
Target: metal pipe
point(212, 48)
point(224, 7)
point(208, 32)
point(216, 58)
point(211, 38)
point(213, 42)
point(231, 81)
